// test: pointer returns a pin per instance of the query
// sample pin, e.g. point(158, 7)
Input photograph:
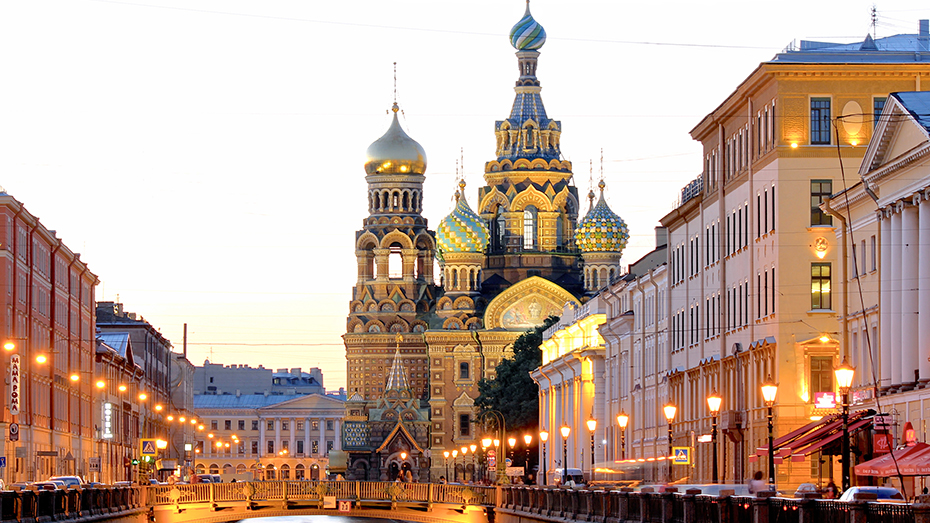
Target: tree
point(512, 391)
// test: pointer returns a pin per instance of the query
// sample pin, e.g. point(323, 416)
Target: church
point(418, 343)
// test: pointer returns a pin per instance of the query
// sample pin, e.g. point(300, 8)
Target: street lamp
point(670, 410)
point(544, 436)
point(713, 403)
point(592, 426)
point(512, 441)
point(565, 430)
point(844, 376)
point(464, 465)
point(623, 420)
point(473, 448)
point(445, 454)
point(769, 391)
point(455, 472)
point(526, 468)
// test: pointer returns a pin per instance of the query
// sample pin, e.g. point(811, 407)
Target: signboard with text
point(881, 443)
point(94, 464)
point(824, 400)
point(15, 389)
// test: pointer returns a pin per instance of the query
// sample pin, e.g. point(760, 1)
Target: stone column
point(292, 436)
point(337, 428)
point(896, 301)
point(381, 263)
point(923, 285)
point(307, 436)
point(363, 259)
point(277, 434)
point(885, 271)
point(262, 445)
point(409, 262)
point(322, 437)
point(909, 282)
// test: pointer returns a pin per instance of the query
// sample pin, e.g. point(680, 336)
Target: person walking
point(756, 484)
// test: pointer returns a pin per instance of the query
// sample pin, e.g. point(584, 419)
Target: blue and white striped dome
point(462, 230)
point(527, 34)
point(601, 230)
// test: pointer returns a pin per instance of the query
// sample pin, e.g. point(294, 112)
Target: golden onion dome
point(395, 152)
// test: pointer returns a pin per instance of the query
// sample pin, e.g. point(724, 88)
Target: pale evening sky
point(205, 157)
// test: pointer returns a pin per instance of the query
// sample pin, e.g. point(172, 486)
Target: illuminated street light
point(769, 391)
point(844, 377)
point(623, 420)
point(669, 409)
point(544, 437)
point(566, 431)
point(713, 403)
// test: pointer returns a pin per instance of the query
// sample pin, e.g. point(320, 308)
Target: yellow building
point(753, 258)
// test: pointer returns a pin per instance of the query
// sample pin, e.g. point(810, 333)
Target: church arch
point(464, 303)
point(531, 196)
point(453, 324)
point(397, 237)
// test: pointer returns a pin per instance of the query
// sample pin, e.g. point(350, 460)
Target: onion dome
point(462, 230)
point(527, 34)
point(395, 152)
point(601, 230)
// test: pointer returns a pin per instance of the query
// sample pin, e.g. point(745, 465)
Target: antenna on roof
point(602, 163)
point(395, 79)
point(874, 20)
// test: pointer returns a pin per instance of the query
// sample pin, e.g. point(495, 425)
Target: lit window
point(820, 189)
point(820, 121)
point(820, 286)
point(529, 228)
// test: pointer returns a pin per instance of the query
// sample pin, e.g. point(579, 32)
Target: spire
point(397, 379)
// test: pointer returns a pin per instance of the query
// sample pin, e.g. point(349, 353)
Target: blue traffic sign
point(2, 461)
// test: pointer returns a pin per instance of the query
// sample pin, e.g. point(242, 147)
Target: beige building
point(752, 256)
point(288, 437)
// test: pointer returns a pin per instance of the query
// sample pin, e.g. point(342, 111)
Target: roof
point(900, 48)
point(118, 341)
point(230, 401)
point(917, 104)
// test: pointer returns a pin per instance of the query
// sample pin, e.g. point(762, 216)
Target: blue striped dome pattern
point(527, 34)
point(462, 230)
point(601, 230)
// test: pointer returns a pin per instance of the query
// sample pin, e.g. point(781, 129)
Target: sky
point(206, 157)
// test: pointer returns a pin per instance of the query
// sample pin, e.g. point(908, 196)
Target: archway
point(315, 472)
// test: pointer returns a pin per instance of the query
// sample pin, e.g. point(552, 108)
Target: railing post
point(688, 510)
point(760, 506)
point(858, 511)
point(429, 498)
point(644, 505)
point(623, 504)
point(667, 501)
point(725, 508)
point(807, 511)
point(921, 512)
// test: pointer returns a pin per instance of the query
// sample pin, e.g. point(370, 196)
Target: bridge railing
point(70, 504)
point(626, 506)
point(255, 491)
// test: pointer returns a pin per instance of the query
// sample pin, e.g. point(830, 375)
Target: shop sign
point(881, 443)
point(824, 400)
point(910, 435)
point(108, 420)
point(15, 389)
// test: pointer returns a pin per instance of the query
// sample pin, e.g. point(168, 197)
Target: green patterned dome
point(462, 230)
point(601, 230)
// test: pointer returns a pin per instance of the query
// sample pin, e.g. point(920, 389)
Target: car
point(216, 478)
point(889, 494)
point(201, 478)
point(69, 481)
point(806, 488)
point(48, 485)
point(122, 483)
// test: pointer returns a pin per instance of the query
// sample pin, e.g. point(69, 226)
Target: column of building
point(885, 299)
point(262, 445)
point(322, 447)
point(291, 442)
point(923, 284)
point(307, 426)
point(908, 276)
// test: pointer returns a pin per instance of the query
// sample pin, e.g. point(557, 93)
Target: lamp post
point(713, 403)
point(445, 454)
point(455, 471)
point(669, 409)
point(769, 391)
point(543, 437)
point(565, 430)
point(622, 420)
point(512, 441)
point(485, 444)
point(474, 469)
point(464, 450)
point(844, 376)
point(592, 426)
point(526, 466)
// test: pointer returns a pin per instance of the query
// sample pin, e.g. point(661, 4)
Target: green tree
point(513, 392)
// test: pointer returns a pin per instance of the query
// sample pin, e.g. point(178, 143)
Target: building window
point(214, 425)
point(329, 424)
point(300, 425)
point(300, 447)
point(878, 105)
point(820, 121)
point(873, 249)
point(463, 370)
point(271, 446)
point(464, 425)
point(270, 424)
point(329, 445)
point(315, 447)
point(242, 424)
point(284, 425)
point(227, 425)
point(820, 286)
point(254, 448)
point(529, 228)
point(315, 425)
point(821, 374)
point(254, 424)
point(819, 189)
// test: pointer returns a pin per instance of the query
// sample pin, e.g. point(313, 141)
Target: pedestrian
point(442, 480)
point(830, 491)
point(756, 484)
point(408, 477)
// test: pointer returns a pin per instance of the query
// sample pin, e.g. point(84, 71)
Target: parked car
point(889, 494)
point(69, 481)
point(49, 485)
point(201, 478)
point(806, 488)
point(216, 478)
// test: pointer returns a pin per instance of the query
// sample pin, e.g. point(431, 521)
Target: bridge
point(433, 503)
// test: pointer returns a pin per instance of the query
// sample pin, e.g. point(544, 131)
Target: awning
point(799, 442)
point(911, 461)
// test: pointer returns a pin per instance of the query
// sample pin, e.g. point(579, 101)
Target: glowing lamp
point(592, 424)
point(713, 403)
point(623, 420)
point(769, 391)
point(670, 409)
point(844, 376)
point(543, 436)
point(565, 430)
point(101, 384)
point(160, 443)
point(75, 377)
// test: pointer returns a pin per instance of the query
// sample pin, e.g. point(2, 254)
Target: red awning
point(799, 455)
point(812, 433)
point(911, 461)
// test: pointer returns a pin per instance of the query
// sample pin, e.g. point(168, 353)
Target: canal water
point(320, 519)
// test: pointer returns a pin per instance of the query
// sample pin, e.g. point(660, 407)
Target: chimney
point(924, 35)
point(238, 393)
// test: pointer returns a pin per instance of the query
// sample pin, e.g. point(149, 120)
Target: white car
point(888, 494)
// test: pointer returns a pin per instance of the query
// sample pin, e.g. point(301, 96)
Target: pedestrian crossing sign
point(148, 447)
point(681, 455)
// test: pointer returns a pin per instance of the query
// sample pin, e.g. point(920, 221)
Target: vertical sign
point(107, 420)
point(15, 390)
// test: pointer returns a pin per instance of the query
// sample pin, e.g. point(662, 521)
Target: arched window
point(299, 472)
point(498, 230)
point(463, 370)
point(395, 263)
point(214, 468)
point(285, 472)
point(269, 472)
point(559, 231)
point(529, 228)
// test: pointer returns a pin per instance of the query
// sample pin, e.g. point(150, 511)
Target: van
point(573, 474)
point(215, 478)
